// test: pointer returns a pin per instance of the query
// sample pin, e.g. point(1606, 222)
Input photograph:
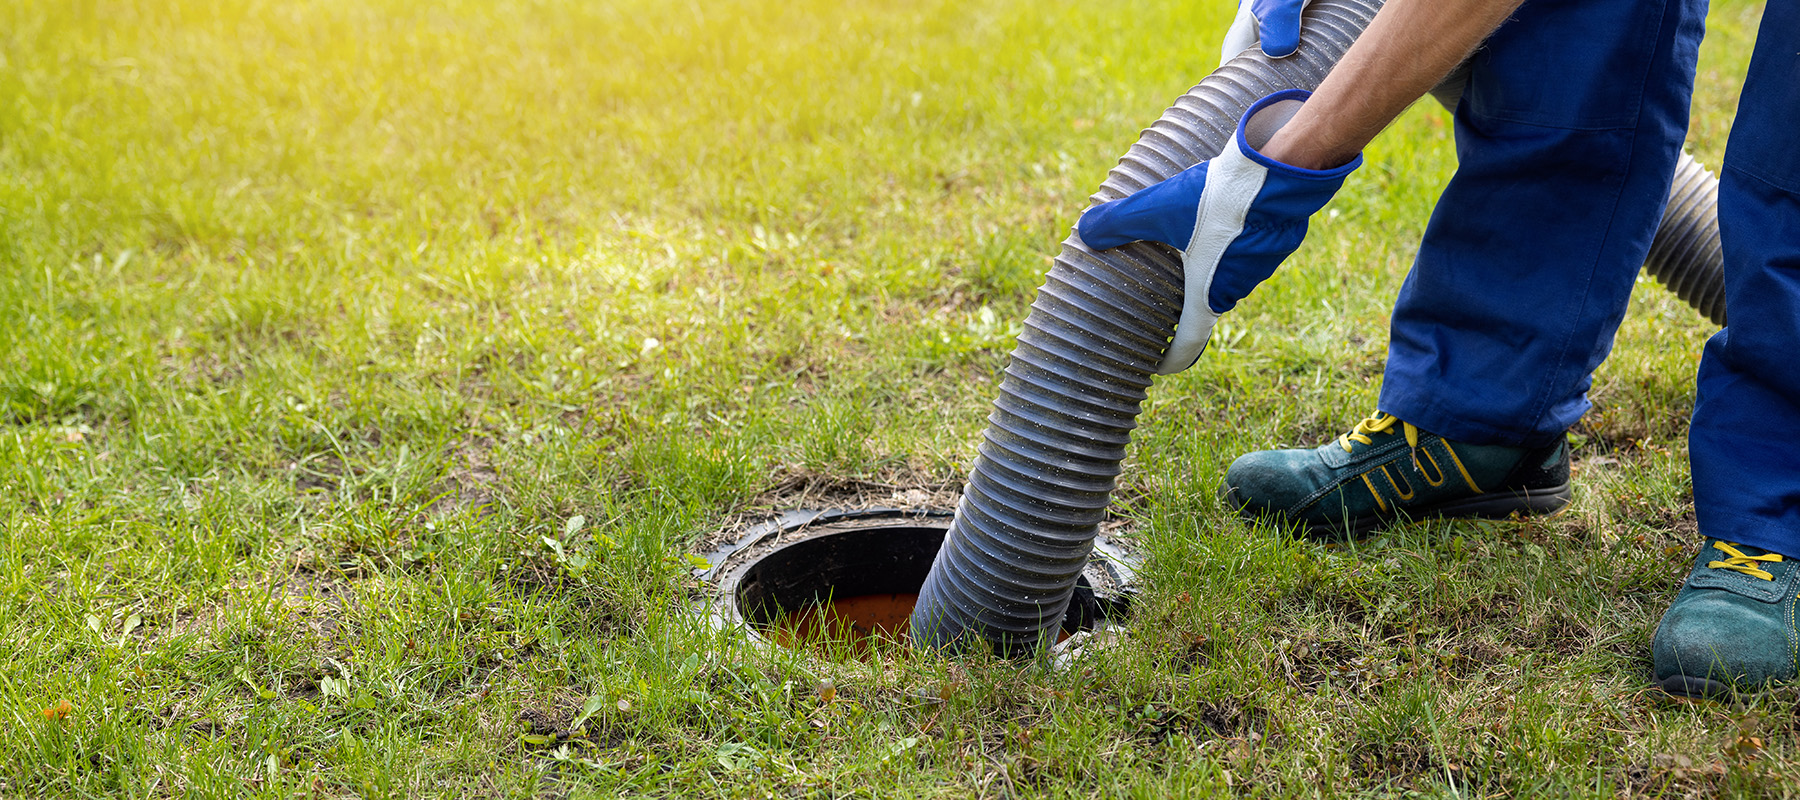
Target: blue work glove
point(1275, 23)
point(1235, 218)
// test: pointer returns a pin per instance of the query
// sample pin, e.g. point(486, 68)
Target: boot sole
point(1695, 688)
point(1526, 502)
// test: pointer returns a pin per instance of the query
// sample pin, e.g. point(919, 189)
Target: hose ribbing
point(1070, 398)
point(1056, 438)
point(1685, 256)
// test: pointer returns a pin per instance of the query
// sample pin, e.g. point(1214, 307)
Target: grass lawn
point(370, 367)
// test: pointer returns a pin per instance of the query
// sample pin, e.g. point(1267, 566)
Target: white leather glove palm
point(1235, 218)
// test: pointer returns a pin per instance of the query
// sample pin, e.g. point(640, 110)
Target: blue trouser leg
point(1566, 137)
point(1744, 443)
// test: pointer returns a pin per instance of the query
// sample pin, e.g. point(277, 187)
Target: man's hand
point(1235, 218)
point(1274, 23)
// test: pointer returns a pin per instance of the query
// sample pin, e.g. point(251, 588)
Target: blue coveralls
point(1567, 136)
point(1744, 442)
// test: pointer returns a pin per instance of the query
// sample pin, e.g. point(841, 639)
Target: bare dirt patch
point(471, 482)
point(902, 487)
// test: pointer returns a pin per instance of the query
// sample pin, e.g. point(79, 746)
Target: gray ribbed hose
point(1685, 255)
point(1055, 441)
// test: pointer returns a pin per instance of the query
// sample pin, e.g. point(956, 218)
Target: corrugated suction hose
point(1685, 255)
point(1055, 441)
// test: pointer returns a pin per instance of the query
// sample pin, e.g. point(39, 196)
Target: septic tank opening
point(851, 577)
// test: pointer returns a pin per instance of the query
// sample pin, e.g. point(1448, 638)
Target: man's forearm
point(1407, 49)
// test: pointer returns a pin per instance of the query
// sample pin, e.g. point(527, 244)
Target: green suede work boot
point(1733, 624)
point(1384, 470)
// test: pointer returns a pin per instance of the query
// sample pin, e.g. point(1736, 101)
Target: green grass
point(322, 319)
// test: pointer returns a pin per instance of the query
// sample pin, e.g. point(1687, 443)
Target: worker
point(1567, 134)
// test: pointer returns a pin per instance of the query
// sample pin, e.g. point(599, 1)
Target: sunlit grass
point(369, 367)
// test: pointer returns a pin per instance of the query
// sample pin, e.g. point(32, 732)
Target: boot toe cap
point(1719, 636)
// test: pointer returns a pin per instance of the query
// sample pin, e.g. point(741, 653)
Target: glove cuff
point(1270, 114)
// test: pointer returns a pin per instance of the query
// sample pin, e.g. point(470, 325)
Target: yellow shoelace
point(1380, 423)
point(1742, 563)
